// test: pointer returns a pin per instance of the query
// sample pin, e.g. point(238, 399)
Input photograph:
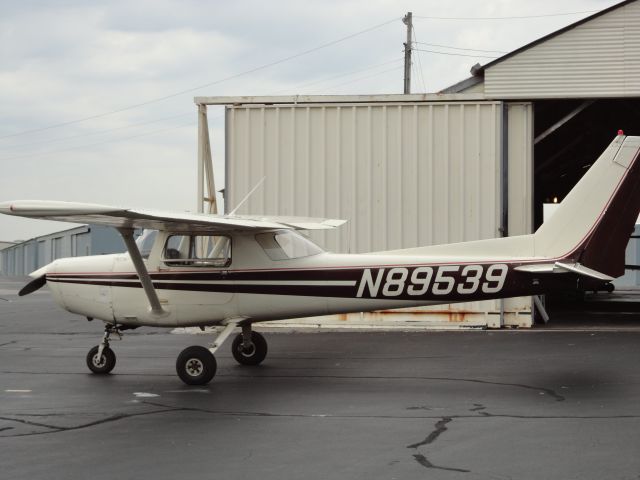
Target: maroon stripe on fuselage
point(515, 283)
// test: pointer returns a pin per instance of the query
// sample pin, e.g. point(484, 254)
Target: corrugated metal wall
point(367, 164)
point(28, 256)
point(404, 175)
point(600, 58)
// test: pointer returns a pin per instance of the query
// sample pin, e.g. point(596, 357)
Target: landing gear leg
point(249, 347)
point(101, 358)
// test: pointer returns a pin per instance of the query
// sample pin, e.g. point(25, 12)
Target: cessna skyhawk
point(232, 271)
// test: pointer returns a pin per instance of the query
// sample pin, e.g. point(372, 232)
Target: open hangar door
point(569, 135)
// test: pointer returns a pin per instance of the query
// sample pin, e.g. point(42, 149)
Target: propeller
point(33, 285)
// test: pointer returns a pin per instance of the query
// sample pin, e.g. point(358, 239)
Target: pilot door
point(193, 276)
point(189, 272)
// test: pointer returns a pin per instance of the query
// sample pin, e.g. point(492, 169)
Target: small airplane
point(231, 271)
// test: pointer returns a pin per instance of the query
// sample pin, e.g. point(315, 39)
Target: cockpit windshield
point(287, 245)
point(145, 242)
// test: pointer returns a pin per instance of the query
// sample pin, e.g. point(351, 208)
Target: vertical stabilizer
point(593, 224)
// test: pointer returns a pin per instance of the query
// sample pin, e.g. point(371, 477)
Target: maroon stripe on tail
point(604, 249)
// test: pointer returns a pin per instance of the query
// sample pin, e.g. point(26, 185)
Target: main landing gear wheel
point(251, 352)
point(196, 365)
point(102, 364)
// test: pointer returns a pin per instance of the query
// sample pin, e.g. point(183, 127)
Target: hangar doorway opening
point(569, 135)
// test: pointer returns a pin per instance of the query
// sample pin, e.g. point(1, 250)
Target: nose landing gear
point(101, 358)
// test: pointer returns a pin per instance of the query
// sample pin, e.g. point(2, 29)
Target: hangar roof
point(334, 99)
point(482, 68)
point(596, 57)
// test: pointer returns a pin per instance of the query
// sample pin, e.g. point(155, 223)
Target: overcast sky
point(63, 61)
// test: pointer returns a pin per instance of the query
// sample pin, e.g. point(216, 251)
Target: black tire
point(196, 365)
point(103, 365)
point(255, 355)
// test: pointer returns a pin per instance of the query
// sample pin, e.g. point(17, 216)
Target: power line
point(460, 48)
point(419, 76)
point(89, 134)
point(215, 82)
point(80, 147)
point(419, 66)
point(454, 54)
point(100, 132)
point(353, 72)
point(155, 121)
point(153, 132)
point(365, 77)
point(515, 17)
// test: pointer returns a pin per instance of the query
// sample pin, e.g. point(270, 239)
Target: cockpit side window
point(197, 251)
point(287, 245)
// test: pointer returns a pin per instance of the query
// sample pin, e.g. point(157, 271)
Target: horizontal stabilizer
point(582, 270)
point(561, 267)
point(537, 268)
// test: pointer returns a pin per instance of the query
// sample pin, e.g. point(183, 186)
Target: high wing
point(119, 217)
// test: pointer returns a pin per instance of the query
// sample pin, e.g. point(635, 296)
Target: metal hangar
point(21, 258)
point(477, 160)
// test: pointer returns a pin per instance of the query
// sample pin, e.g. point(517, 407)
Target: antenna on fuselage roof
point(260, 182)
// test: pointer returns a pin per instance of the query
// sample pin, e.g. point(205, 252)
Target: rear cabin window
point(197, 251)
point(287, 245)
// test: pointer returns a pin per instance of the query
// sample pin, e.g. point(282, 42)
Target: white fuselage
point(255, 287)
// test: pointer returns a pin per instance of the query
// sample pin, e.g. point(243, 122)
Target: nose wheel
point(101, 363)
point(101, 358)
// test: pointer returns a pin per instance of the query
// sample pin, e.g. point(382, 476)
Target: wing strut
point(141, 269)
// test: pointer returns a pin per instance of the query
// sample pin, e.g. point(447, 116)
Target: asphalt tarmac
point(439, 405)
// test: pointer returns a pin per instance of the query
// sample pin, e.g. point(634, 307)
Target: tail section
point(593, 224)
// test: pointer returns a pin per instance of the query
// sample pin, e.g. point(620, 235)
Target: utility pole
point(408, 21)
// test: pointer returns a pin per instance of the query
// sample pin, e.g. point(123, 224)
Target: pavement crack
point(440, 428)
point(547, 391)
point(237, 413)
point(162, 408)
point(58, 429)
point(27, 422)
point(422, 460)
point(552, 393)
point(8, 343)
